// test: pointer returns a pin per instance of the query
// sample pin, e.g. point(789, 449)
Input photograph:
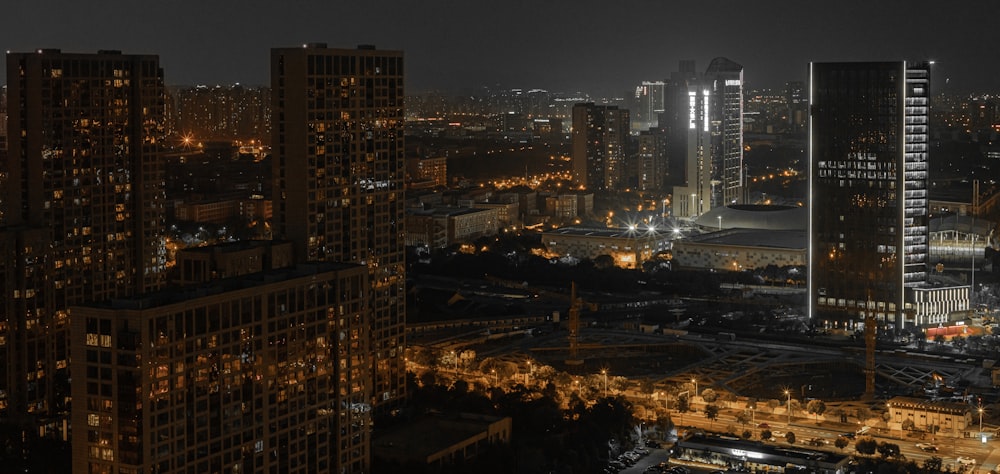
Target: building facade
point(945, 418)
point(258, 374)
point(339, 174)
point(725, 79)
point(85, 208)
point(703, 119)
point(868, 220)
point(741, 249)
point(628, 247)
point(600, 142)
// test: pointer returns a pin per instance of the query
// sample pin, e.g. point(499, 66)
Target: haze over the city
point(585, 45)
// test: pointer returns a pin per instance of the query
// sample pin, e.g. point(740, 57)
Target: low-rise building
point(943, 418)
point(741, 249)
point(630, 247)
point(443, 226)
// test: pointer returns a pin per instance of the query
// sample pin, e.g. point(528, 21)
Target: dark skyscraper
point(868, 189)
point(84, 208)
point(703, 117)
point(600, 141)
point(337, 135)
point(725, 81)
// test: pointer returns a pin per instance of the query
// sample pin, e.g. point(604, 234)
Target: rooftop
point(781, 239)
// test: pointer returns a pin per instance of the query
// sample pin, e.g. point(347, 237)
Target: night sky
point(602, 47)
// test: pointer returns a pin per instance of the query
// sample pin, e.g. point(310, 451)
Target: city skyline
point(461, 47)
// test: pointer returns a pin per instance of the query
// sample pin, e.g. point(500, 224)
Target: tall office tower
point(724, 80)
point(339, 167)
point(651, 160)
point(648, 105)
point(797, 103)
point(261, 373)
point(690, 142)
point(600, 141)
point(85, 200)
point(868, 190)
point(703, 118)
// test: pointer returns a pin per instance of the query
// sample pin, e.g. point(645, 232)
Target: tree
point(709, 395)
point(841, 442)
point(744, 417)
point(933, 464)
point(864, 413)
point(683, 403)
point(765, 435)
point(908, 425)
point(939, 339)
point(816, 407)
point(747, 434)
point(795, 406)
point(866, 446)
point(711, 412)
point(773, 404)
point(888, 450)
point(790, 437)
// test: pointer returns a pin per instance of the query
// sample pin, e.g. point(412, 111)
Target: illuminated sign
point(692, 109)
point(734, 82)
point(747, 454)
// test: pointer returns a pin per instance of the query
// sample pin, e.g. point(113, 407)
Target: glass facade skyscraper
point(868, 189)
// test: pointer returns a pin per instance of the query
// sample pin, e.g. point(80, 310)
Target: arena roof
point(750, 216)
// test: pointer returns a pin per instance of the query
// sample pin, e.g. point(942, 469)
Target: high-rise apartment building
point(84, 209)
point(651, 166)
point(233, 112)
point(262, 373)
point(648, 105)
point(703, 119)
point(337, 138)
point(868, 189)
point(600, 142)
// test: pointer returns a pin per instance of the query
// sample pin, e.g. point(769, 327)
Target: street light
point(720, 222)
point(496, 381)
point(528, 373)
point(789, 410)
point(664, 395)
point(980, 420)
point(604, 372)
point(888, 409)
point(695, 382)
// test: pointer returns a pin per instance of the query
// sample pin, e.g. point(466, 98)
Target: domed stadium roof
point(753, 216)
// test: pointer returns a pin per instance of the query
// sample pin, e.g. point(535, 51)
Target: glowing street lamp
point(604, 372)
point(789, 409)
point(695, 382)
point(720, 222)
